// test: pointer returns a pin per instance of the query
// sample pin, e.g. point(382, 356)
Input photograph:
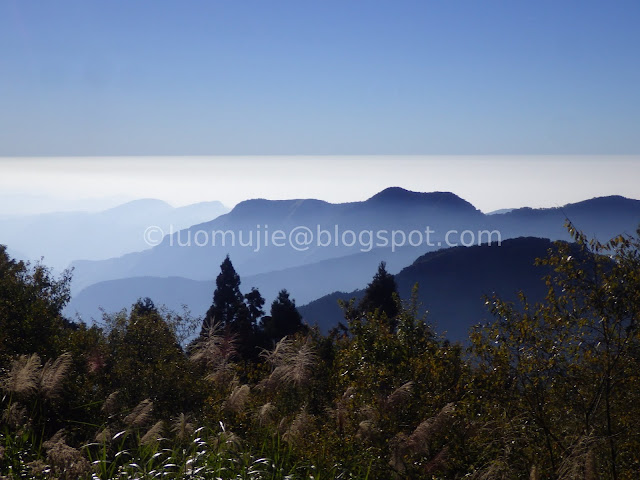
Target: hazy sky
point(490, 182)
point(154, 77)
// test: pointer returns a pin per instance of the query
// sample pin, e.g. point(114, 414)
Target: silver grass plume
point(237, 399)
point(66, 462)
point(104, 436)
point(533, 474)
point(109, 405)
point(53, 374)
point(266, 414)
point(580, 461)
point(300, 427)
point(182, 427)
point(424, 433)
point(15, 415)
point(140, 414)
point(291, 364)
point(22, 379)
point(154, 434)
point(340, 412)
point(400, 395)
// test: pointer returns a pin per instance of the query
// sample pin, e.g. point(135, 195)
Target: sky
point(506, 104)
point(157, 77)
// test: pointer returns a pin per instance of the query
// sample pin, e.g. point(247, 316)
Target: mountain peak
point(396, 195)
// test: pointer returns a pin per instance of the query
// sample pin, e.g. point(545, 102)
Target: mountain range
point(175, 275)
point(61, 237)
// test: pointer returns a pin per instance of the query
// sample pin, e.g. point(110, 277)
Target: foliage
point(547, 390)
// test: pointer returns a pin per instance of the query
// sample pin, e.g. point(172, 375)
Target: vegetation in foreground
point(548, 391)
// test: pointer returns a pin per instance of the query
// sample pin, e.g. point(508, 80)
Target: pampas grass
point(53, 374)
point(237, 399)
point(400, 395)
point(182, 427)
point(291, 364)
point(154, 434)
point(140, 414)
point(23, 377)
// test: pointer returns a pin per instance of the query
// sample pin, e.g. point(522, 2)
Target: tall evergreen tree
point(380, 294)
point(227, 299)
point(284, 320)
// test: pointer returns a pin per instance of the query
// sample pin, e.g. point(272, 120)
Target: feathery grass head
point(22, 379)
point(367, 430)
point(109, 405)
point(53, 374)
point(140, 414)
point(182, 427)
point(291, 364)
point(266, 414)
point(299, 428)
point(425, 432)
point(66, 462)
point(214, 346)
point(104, 435)
point(154, 434)
point(400, 395)
point(238, 399)
point(14, 415)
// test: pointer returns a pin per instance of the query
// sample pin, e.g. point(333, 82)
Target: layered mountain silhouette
point(174, 274)
point(453, 284)
point(190, 254)
point(62, 237)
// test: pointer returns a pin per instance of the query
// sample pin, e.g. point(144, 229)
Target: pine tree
point(284, 320)
point(227, 299)
point(380, 294)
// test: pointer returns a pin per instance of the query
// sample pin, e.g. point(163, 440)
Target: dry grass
point(109, 405)
point(53, 374)
point(140, 414)
point(266, 414)
point(400, 395)
point(23, 377)
point(154, 434)
point(182, 427)
point(291, 364)
point(424, 433)
point(237, 400)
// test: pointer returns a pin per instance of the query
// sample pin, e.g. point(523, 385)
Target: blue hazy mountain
point(62, 237)
point(305, 283)
point(391, 209)
point(184, 275)
point(453, 283)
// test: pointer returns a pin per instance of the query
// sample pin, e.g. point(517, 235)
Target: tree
point(255, 302)
point(145, 360)
point(561, 378)
point(31, 303)
point(227, 299)
point(284, 320)
point(381, 294)
point(237, 314)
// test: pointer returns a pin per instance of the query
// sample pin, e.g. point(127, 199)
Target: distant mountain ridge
point(391, 209)
point(453, 282)
point(312, 274)
point(61, 237)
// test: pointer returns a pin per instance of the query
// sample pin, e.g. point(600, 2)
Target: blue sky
point(86, 78)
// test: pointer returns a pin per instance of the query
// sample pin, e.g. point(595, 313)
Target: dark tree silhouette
point(238, 314)
point(380, 294)
point(144, 306)
point(284, 319)
point(255, 302)
point(227, 299)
